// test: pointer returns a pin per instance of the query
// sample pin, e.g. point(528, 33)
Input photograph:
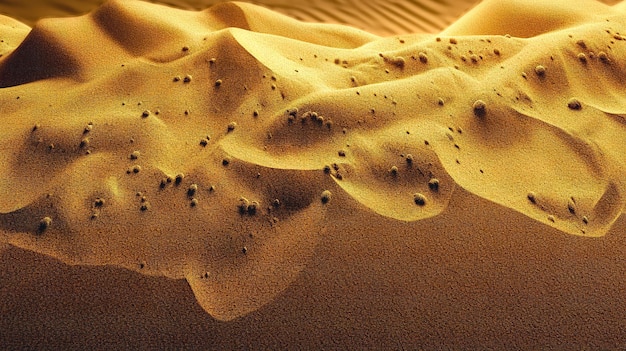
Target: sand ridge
point(379, 17)
point(220, 146)
point(385, 18)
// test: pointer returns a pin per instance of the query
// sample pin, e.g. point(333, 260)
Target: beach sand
point(236, 178)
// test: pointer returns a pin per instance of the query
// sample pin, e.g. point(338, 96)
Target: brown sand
point(236, 178)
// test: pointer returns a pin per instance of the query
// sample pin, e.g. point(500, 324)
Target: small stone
point(145, 114)
point(433, 184)
point(218, 83)
point(179, 178)
point(409, 159)
point(532, 197)
point(540, 70)
point(145, 206)
point(571, 206)
point(187, 78)
point(479, 108)
point(419, 199)
point(422, 57)
point(231, 126)
point(99, 202)
point(574, 104)
point(44, 224)
point(393, 171)
point(326, 196)
point(194, 202)
point(243, 205)
point(135, 155)
point(191, 191)
point(398, 62)
point(252, 208)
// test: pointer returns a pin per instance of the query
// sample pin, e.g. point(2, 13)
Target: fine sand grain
point(234, 178)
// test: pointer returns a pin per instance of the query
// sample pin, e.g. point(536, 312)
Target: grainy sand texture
point(242, 178)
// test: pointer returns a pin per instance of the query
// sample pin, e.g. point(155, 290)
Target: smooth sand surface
point(378, 16)
point(236, 178)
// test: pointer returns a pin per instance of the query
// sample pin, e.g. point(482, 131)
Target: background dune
point(378, 16)
point(236, 178)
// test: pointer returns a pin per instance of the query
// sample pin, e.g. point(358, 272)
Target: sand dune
point(379, 17)
point(245, 151)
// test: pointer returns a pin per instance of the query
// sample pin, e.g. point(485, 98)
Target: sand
point(237, 178)
point(380, 17)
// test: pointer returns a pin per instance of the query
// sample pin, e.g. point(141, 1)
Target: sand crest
point(230, 146)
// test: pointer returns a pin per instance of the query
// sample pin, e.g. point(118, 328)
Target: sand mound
point(224, 146)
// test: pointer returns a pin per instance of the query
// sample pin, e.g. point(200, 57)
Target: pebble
point(419, 199)
point(433, 184)
point(540, 70)
point(479, 107)
point(326, 196)
point(44, 224)
point(574, 104)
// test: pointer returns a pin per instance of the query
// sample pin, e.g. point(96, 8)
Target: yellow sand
point(228, 147)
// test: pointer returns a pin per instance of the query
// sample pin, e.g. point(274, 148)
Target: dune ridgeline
point(224, 146)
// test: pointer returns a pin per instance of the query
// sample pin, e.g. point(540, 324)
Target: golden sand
point(316, 184)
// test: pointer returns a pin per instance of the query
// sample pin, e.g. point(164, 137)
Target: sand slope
point(230, 147)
